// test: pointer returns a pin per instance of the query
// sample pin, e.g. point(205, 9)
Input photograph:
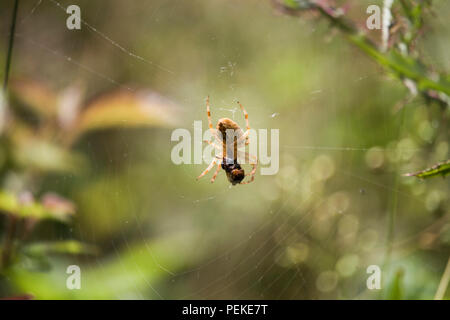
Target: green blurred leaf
point(405, 66)
point(57, 207)
point(298, 4)
point(32, 210)
point(35, 257)
point(51, 207)
point(8, 202)
point(444, 234)
point(38, 154)
point(442, 169)
point(34, 263)
point(140, 267)
point(394, 289)
point(59, 247)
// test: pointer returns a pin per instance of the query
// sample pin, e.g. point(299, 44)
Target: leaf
point(32, 210)
point(125, 109)
point(298, 4)
point(35, 96)
point(34, 262)
point(8, 202)
point(23, 206)
point(59, 247)
point(395, 287)
point(55, 208)
point(58, 207)
point(402, 66)
point(442, 168)
point(38, 154)
point(51, 207)
point(35, 257)
point(124, 274)
point(38, 211)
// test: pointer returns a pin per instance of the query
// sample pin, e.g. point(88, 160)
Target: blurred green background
point(152, 230)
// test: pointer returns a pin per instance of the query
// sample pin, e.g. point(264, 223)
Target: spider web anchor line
point(114, 43)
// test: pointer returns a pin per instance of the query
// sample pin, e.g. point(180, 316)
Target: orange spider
point(229, 151)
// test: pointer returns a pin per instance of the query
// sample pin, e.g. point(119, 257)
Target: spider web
point(234, 276)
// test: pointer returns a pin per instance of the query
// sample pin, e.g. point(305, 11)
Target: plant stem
point(10, 45)
point(9, 241)
point(407, 9)
point(403, 67)
point(443, 283)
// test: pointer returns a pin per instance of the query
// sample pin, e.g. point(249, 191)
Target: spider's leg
point(248, 157)
point(253, 162)
point(245, 115)
point(214, 132)
point(218, 137)
point(244, 136)
point(247, 124)
point(209, 168)
point(218, 154)
point(252, 174)
point(208, 112)
point(213, 144)
point(219, 162)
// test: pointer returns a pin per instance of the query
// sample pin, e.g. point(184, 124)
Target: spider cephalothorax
point(230, 151)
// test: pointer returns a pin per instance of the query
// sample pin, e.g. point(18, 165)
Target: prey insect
point(230, 150)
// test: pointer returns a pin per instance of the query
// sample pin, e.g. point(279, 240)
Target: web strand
point(116, 44)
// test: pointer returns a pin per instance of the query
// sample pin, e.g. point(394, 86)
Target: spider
point(224, 160)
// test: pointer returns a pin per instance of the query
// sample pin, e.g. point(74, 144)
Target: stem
point(10, 45)
point(407, 9)
point(9, 241)
point(402, 69)
point(443, 283)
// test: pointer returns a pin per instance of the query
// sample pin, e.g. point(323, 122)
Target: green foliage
point(50, 207)
point(400, 59)
point(141, 227)
point(395, 288)
point(60, 247)
point(40, 137)
point(139, 266)
point(440, 169)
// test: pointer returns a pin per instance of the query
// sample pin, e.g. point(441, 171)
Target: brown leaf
point(125, 109)
point(36, 96)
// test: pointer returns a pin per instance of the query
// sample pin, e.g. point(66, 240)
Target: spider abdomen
point(234, 171)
